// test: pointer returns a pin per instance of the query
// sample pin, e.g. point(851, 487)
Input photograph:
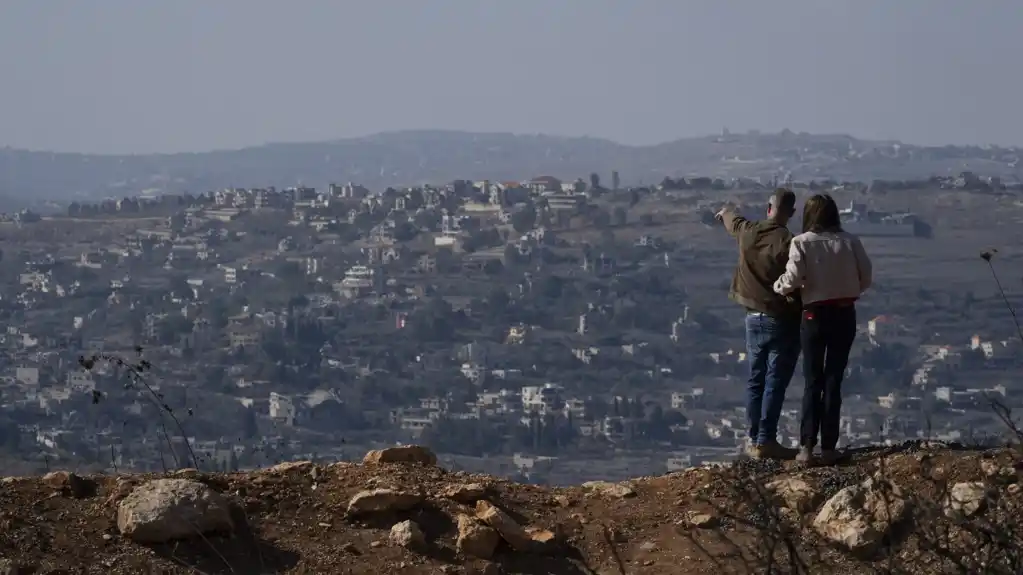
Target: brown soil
point(296, 522)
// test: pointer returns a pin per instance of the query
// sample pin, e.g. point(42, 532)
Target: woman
point(830, 270)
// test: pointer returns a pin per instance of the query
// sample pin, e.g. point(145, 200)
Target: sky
point(139, 76)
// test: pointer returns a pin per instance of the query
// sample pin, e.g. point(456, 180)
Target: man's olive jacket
point(763, 253)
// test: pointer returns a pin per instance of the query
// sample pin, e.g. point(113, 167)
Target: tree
point(405, 232)
point(249, 427)
point(523, 219)
point(498, 300)
point(289, 271)
point(216, 313)
point(493, 267)
point(551, 286)
point(621, 216)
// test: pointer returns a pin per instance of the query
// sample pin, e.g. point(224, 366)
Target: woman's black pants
point(826, 333)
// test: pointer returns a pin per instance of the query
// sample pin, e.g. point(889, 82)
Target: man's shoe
point(805, 455)
point(773, 450)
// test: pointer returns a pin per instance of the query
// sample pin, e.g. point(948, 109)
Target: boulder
point(402, 454)
point(475, 539)
point(796, 494)
point(506, 527)
point(702, 520)
point(382, 501)
point(467, 493)
point(167, 509)
point(860, 516)
point(966, 499)
point(70, 484)
point(408, 535)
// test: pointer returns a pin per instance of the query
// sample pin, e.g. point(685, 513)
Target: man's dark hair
point(820, 214)
point(784, 201)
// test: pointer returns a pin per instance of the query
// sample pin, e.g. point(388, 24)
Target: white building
point(542, 399)
point(282, 408)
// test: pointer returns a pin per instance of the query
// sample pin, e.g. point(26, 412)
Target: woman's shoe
point(830, 456)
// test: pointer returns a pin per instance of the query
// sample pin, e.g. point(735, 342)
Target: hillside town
point(526, 328)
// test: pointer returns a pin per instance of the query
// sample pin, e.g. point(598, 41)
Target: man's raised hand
point(728, 208)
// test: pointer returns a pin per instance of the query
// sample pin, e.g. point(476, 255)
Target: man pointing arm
point(772, 320)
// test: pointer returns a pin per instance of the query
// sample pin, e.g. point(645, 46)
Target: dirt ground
point(295, 522)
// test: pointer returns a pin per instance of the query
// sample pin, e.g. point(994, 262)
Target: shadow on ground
point(242, 552)
point(567, 562)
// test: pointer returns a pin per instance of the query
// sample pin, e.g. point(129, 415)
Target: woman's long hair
point(820, 214)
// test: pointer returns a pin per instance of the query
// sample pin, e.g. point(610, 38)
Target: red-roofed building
point(541, 184)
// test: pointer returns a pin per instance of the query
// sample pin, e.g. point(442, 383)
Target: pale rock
point(859, 516)
point(796, 494)
point(702, 520)
point(506, 527)
point(966, 499)
point(402, 454)
point(467, 493)
point(291, 466)
point(544, 540)
point(168, 509)
point(617, 490)
point(122, 489)
point(989, 467)
point(996, 472)
point(382, 500)
point(475, 539)
point(408, 535)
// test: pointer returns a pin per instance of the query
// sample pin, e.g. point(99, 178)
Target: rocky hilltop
point(917, 508)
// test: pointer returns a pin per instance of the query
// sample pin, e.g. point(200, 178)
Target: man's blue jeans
point(772, 349)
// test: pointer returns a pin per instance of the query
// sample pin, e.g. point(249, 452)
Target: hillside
point(400, 513)
point(409, 158)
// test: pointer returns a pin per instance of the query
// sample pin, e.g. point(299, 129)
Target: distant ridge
point(438, 156)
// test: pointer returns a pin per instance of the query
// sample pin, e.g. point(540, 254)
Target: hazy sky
point(193, 75)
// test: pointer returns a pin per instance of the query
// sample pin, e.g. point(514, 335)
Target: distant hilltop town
point(561, 197)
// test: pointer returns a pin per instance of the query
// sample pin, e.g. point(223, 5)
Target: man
point(772, 320)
